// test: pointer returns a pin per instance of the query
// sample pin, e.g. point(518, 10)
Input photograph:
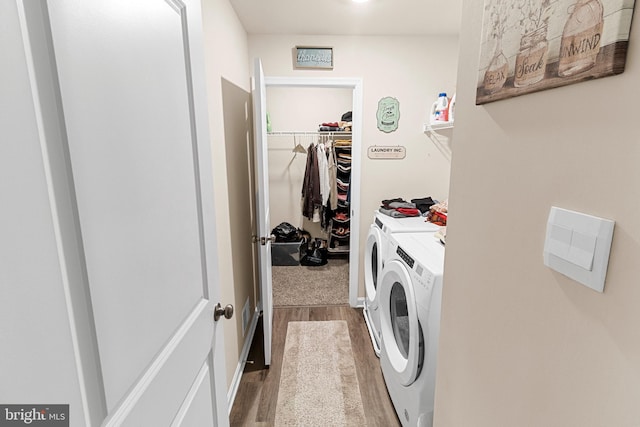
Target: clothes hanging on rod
point(325, 194)
point(311, 196)
point(316, 187)
point(323, 171)
point(328, 169)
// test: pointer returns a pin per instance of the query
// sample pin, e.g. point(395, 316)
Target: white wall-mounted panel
point(577, 245)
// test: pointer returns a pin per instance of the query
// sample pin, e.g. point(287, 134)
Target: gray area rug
point(319, 385)
point(301, 286)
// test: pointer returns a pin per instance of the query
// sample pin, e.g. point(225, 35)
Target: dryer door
point(402, 340)
point(373, 264)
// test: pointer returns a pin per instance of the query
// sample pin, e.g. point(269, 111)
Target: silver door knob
point(227, 312)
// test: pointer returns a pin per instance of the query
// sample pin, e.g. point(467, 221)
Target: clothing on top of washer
point(393, 213)
point(409, 211)
point(385, 203)
point(399, 208)
point(442, 207)
point(438, 213)
point(419, 206)
point(423, 203)
point(398, 205)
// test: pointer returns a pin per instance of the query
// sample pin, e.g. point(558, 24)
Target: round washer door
point(373, 263)
point(399, 322)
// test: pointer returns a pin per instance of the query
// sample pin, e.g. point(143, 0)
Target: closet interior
point(310, 156)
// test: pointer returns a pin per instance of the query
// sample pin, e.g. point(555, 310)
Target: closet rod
point(309, 133)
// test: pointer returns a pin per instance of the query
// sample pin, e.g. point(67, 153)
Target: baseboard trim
point(360, 302)
point(237, 376)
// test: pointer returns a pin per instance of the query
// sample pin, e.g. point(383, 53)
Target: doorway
point(297, 108)
point(301, 133)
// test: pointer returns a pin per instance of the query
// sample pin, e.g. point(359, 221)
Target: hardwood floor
point(255, 403)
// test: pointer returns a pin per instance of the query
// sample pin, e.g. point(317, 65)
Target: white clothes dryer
point(375, 256)
point(410, 300)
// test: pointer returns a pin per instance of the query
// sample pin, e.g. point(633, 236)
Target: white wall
point(226, 53)
point(522, 345)
point(411, 69)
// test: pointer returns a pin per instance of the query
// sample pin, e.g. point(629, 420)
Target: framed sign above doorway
point(313, 57)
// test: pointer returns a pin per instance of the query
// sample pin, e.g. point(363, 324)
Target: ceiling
point(344, 17)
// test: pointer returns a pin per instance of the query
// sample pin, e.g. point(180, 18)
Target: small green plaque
point(388, 114)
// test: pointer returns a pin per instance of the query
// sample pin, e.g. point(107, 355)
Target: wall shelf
point(441, 134)
point(434, 127)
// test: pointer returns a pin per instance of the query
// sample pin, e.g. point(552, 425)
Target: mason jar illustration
point(496, 73)
point(531, 61)
point(581, 37)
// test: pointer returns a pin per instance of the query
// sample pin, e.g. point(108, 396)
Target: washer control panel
point(379, 223)
point(405, 257)
point(424, 278)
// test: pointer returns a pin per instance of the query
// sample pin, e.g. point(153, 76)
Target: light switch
point(582, 249)
point(559, 240)
point(578, 246)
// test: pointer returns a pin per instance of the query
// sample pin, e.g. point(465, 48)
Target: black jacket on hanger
point(311, 197)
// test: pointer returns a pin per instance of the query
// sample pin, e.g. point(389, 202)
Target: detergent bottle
point(440, 109)
point(452, 108)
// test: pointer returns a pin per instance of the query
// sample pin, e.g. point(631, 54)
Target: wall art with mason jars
point(533, 45)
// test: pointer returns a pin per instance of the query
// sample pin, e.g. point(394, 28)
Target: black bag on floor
point(286, 232)
point(314, 254)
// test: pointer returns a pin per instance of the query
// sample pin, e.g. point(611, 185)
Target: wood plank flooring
point(255, 403)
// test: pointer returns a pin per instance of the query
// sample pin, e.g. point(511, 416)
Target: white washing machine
point(410, 298)
point(375, 256)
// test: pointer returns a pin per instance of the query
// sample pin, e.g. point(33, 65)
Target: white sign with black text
point(380, 152)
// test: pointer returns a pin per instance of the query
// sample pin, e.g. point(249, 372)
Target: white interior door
point(121, 94)
point(264, 222)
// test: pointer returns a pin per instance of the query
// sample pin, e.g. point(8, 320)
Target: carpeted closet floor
point(295, 286)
